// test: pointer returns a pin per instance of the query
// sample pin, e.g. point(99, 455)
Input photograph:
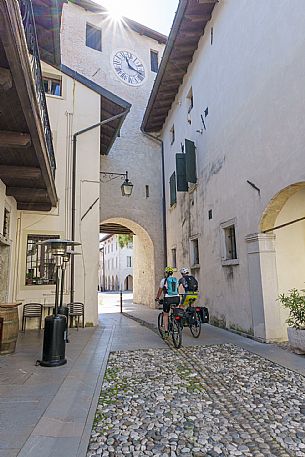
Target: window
point(128, 261)
point(173, 190)
point(195, 252)
point(40, 263)
point(174, 258)
point(230, 243)
point(229, 251)
point(52, 86)
point(147, 191)
point(6, 223)
point(154, 61)
point(190, 105)
point(172, 134)
point(93, 37)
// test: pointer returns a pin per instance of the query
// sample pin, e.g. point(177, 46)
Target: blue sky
point(156, 14)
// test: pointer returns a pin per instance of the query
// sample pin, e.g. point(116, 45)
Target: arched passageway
point(145, 276)
point(284, 221)
point(128, 283)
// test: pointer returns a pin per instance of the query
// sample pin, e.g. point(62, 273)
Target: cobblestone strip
point(201, 401)
point(257, 405)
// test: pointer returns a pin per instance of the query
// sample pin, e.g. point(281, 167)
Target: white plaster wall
point(251, 78)
point(76, 109)
point(133, 151)
point(10, 204)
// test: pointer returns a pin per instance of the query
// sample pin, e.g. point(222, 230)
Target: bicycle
point(175, 325)
point(191, 316)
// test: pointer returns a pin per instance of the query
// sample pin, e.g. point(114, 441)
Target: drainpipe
point(152, 137)
point(73, 189)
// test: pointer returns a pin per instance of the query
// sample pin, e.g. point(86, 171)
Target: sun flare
point(115, 13)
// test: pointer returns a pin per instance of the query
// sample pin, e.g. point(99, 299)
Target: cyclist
point(189, 284)
point(169, 288)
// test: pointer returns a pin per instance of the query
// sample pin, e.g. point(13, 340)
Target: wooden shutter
point(190, 157)
point(182, 185)
point(172, 187)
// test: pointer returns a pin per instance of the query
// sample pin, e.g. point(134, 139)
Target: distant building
point(116, 265)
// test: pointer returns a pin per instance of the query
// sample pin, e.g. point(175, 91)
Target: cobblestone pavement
point(199, 401)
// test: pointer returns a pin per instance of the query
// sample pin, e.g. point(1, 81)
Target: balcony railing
point(27, 14)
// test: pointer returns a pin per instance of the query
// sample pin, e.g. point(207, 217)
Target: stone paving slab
point(200, 401)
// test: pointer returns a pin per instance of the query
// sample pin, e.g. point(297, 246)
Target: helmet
point(184, 271)
point(169, 270)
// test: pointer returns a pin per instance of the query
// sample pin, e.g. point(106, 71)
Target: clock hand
point(132, 67)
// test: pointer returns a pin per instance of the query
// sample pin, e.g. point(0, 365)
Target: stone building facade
point(233, 136)
point(102, 62)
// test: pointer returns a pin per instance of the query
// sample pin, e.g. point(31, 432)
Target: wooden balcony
point(27, 160)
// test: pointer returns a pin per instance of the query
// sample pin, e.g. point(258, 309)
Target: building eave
point(133, 25)
point(111, 105)
point(188, 27)
point(48, 15)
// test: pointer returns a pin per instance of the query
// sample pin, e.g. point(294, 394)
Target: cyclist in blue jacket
point(169, 288)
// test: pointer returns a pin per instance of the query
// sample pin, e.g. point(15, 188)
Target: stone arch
point(276, 204)
point(128, 283)
point(145, 276)
point(283, 217)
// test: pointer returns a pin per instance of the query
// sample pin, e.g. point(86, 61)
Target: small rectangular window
point(40, 263)
point(174, 258)
point(195, 251)
point(190, 101)
point(52, 86)
point(154, 61)
point(93, 37)
point(172, 134)
point(147, 191)
point(173, 189)
point(230, 243)
point(128, 261)
point(6, 223)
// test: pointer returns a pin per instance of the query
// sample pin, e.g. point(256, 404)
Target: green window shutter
point(172, 187)
point(182, 185)
point(190, 156)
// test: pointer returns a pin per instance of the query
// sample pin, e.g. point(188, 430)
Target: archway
point(284, 218)
point(128, 283)
point(145, 271)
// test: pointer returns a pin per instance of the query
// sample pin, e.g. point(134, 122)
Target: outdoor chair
point(30, 311)
point(76, 310)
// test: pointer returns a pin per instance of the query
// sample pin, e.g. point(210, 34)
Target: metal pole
point(62, 286)
point(73, 187)
point(121, 301)
point(56, 290)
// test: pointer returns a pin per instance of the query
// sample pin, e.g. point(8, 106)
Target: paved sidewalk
point(50, 411)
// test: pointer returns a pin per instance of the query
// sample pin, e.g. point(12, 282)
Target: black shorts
point(168, 301)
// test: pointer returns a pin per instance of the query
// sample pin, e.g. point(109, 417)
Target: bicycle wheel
point(160, 325)
point(195, 326)
point(177, 334)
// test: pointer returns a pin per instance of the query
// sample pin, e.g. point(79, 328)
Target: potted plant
point(294, 301)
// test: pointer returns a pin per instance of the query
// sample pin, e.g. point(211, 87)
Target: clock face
point(129, 68)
